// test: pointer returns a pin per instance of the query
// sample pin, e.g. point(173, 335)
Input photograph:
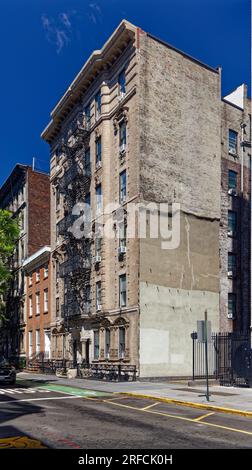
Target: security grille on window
point(232, 180)
point(98, 104)
point(123, 291)
point(231, 305)
point(96, 345)
point(122, 83)
point(123, 187)
point(121, 342)
point(232, 223)
point(232, 142)
point(107, 343)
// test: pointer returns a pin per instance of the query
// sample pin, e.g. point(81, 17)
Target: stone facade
point(173, 153)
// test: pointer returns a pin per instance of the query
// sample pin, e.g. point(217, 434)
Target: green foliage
point(9, 233)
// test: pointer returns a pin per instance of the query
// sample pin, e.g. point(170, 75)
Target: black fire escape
point(76, 268)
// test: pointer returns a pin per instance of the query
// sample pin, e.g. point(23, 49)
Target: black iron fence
point(229, 358)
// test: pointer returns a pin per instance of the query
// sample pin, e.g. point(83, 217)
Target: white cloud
point(58, 31)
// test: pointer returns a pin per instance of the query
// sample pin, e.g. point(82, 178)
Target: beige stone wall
point(180, 162)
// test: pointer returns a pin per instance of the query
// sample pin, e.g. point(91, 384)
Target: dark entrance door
point(87, 352)
point(75, 353)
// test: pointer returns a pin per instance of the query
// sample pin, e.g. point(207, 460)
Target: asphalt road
point(36, 415)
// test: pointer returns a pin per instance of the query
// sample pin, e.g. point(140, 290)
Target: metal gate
point(229, 358)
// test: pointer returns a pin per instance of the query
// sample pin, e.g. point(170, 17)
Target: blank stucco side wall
point(180, 162)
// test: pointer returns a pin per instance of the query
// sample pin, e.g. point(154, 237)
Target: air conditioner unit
point(122, 249)
point(232, 151)
point(230, 274)
point(121, 96)
point(97, 259)
point(99, 307)
point(98, 164)
point(122, 149)
point(230, 316)
point(232, 192)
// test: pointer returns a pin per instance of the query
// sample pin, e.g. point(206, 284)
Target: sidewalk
point(230, 398)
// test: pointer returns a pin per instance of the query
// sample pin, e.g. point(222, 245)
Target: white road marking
point(12, 391)
point(42, 399)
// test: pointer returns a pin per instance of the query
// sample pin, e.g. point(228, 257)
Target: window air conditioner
point(232, 192)
point(122, 149)
point(122, 249)
point(97, 259)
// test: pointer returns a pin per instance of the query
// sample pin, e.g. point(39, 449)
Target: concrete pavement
point(226, 399)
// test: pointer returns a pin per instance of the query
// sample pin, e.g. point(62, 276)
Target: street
point(36, 414)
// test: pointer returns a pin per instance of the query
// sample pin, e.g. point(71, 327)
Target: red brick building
point(26, 194)
point(38, 313)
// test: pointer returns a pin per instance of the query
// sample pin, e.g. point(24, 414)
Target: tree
point(9, 233)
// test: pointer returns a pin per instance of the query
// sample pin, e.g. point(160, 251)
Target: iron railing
point(229, 358)
point(75, 263)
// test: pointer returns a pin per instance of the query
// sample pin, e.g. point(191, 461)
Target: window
point(22, 220)
point(88, 116)
point(232, 222)
point(232, 262)
point(21, 341)
point(98, 104)
point(30, 279)
point(22, 252)
point(232, 180)
point(98, 242)
point(122, 83)
point(98, 295)
point(87, 164)
point(122, 234)
point(121, 342)
point(38, 275)
point(123, 188)
point(37, 341)
point(57, 197)
point(107, 343)
point(96, 345)
point(122, 134)
point(122, 290)
point(46, 270)
point(30, 306)
point(87, 294)
point(45, 300)
point(232, 305)
point(232, 142)
point(98, 199)
point(37, 303)
point(30, 343)
point(57, 307)
point(98, 147)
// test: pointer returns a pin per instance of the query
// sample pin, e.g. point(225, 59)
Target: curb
point(191, 404)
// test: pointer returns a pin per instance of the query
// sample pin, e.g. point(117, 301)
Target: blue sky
point(44, 43)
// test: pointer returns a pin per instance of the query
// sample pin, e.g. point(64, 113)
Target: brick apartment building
point(38, 312)
point(144, 123)
point(25, 193)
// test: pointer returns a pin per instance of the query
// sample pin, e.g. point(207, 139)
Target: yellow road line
point(189, 404)
point(204, 416)
point(150, 406)
point(117, 398)
point(181, 418)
